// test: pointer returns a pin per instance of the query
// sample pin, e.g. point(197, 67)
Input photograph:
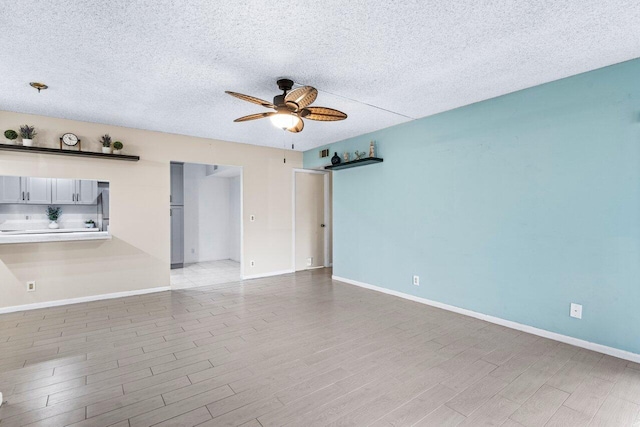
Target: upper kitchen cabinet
point(87, 192)
point(34, 191)
point(63, 191)
point(74, 192)
point(38, 190)
point(177, 184)
point(10, 189)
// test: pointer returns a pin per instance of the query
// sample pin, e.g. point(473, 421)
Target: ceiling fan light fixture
point(285, 120)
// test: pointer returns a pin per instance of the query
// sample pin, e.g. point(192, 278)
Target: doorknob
point(322, 225)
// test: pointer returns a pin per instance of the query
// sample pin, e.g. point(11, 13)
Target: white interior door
point(309, 226)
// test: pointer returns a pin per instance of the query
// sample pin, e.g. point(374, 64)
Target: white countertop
point(63, 235)
point(48, 230)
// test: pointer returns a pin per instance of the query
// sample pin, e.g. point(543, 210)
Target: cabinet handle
point(28, 196)
point(73, 197)
point(77, 197)
point(170, 212)
point(23, 195)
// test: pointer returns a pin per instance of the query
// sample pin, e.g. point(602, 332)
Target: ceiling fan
point(291, 107)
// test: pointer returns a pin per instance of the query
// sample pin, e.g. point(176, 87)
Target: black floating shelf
point(57, 151)
point(354, 163)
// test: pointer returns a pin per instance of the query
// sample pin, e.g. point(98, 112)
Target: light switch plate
point(576, 311)
point(31, 286)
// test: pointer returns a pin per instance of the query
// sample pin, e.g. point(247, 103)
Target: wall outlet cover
point(309, 261)
point(576, 310)
point(252, 263)
point(31, 286)
point(416, 280)
point(252, 218)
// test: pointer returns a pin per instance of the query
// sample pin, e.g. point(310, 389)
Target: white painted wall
point(235, 207)
point(212, 215)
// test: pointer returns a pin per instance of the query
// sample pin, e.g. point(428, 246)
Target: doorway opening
point(311, 219)
point(206, 224)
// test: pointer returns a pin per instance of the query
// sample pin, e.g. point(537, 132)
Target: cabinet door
point(10, 189)
point(177, 184)
point(63, 191)
point(86, 192)
point(38, 190)
point(177, 236)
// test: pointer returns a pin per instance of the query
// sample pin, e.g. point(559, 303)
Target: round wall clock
point(70, 139)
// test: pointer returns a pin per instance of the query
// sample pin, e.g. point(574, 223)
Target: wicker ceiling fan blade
point(254, 116)
point(251, 99)
point(298, 127)
point(301, 97)
point(322, 114)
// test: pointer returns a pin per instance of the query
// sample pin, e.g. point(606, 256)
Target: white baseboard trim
point(273, 273)
point(56, 303)
point(622, 354)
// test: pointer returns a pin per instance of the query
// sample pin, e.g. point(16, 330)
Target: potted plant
point(27, 133)
point(53, 214)
point(105, 140)
point(117, 147)
point(11, 135)
point(89, 223)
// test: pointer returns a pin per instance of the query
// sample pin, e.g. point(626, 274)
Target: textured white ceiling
point(164, 65)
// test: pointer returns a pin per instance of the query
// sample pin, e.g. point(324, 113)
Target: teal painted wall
point(512, 207)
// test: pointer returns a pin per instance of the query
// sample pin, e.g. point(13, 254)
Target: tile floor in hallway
point(205, 274)
point(296, 350)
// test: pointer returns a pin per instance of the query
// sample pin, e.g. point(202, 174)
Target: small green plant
point(89, 221)
point(53, 213)
point(117, 145)
point(11, 134)
point(105, 140)
point(27, 132)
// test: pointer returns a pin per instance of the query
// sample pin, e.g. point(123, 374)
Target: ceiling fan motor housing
point(278, 100)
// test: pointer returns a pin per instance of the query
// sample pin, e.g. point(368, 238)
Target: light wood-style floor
point(296, 350)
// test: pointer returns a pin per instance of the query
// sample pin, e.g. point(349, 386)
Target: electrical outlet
point(416, 280)
point(252, 218)
point(576, 311)
point(252, 263)
point(309, 261)
point(31, 286)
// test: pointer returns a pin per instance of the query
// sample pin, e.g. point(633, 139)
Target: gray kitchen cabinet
point(74, 192)
point(10, 189)
point(63, 191)
point(37, 190)
point(177, 236)
point(86, 192)
point(177, 184)
point(34, 191)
